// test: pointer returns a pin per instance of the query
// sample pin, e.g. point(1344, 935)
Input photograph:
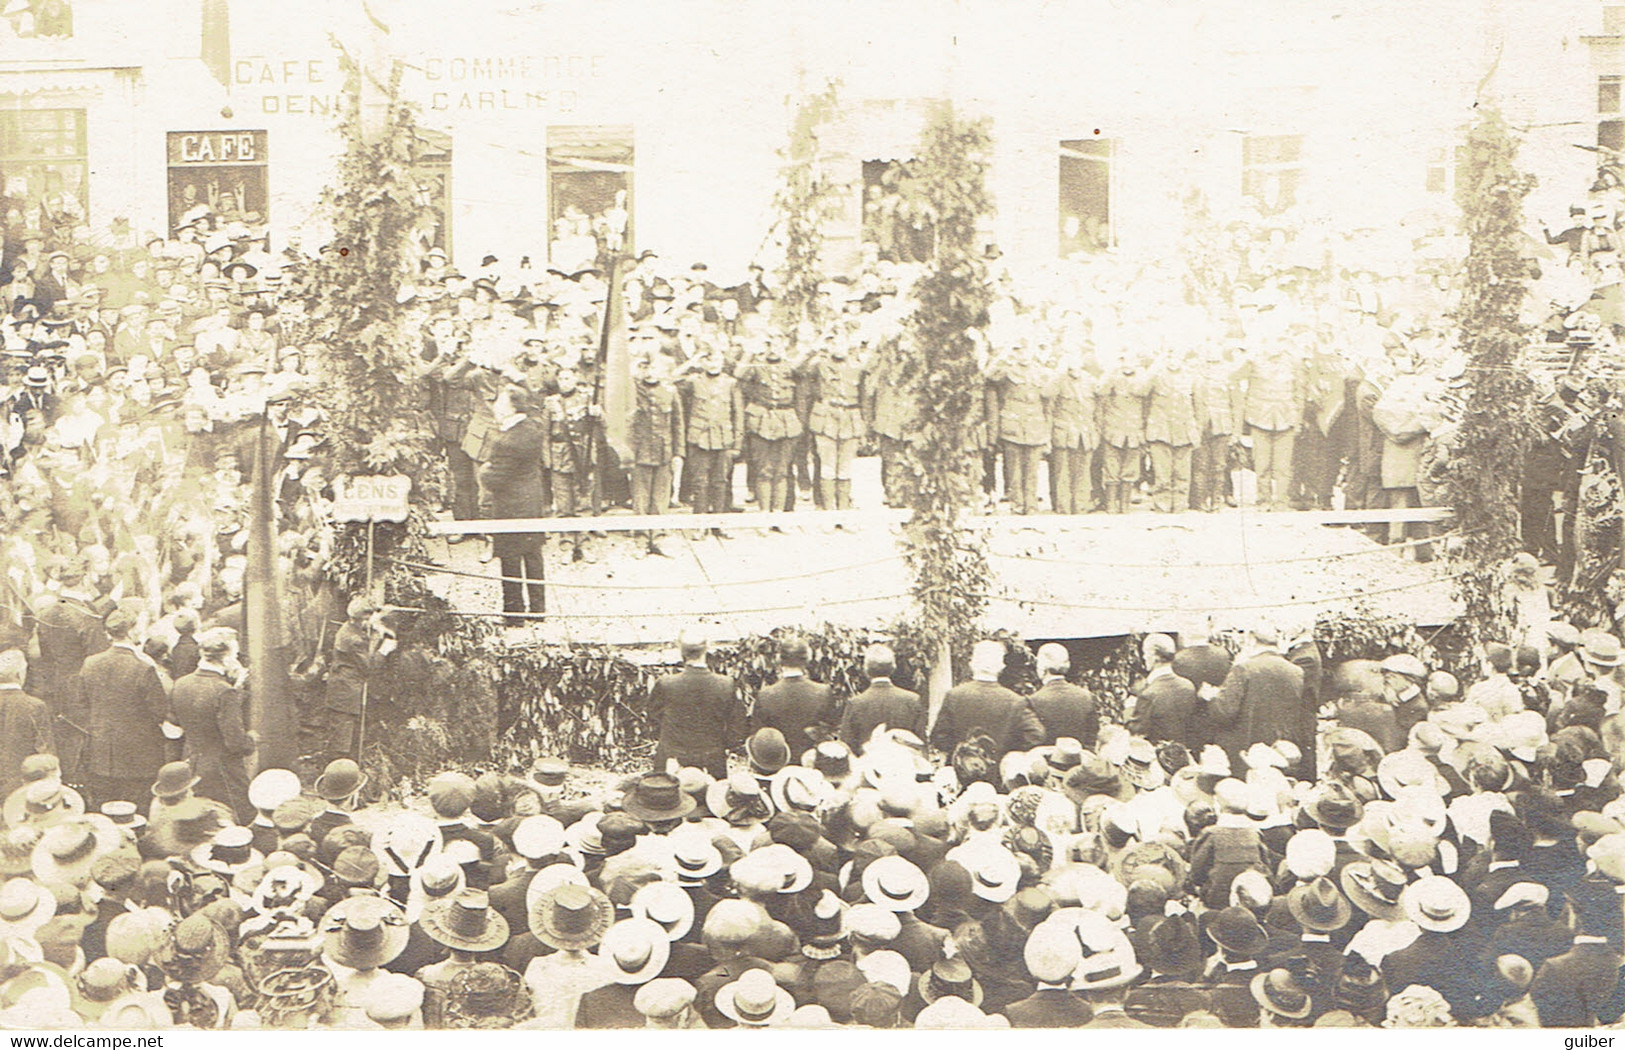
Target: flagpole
point(269, 712)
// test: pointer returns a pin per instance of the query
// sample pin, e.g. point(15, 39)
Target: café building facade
point(539, 119)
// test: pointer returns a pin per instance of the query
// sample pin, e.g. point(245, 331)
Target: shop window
point(1085, 207)
point(889, 219)
point(217, 178)
point(589, 194)
point(46, 19)
point(45, 168)
point(1272, 171)
point(1610, 119)
point(432, 162)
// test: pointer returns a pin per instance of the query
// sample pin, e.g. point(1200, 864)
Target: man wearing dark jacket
point(983, 706)
point(25, 722)
point(1064, 709)
point(882, 704)
point(1262, 702)
point(697, 711)
point(124, 705)
point(800, 708)
point(210, 712)
point(1164, 704)
point(511, 487)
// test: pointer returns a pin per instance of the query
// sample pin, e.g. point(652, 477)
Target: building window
point(44, 167)
point(39, 18)
point(889, 222)
point(1610, 120)
point(1086, 196)
point(589, 193)
point(432, 162)
point(1613, 20)
point(217, 177)
point(1271, 171)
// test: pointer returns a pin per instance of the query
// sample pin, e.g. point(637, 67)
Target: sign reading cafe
point(218, 175)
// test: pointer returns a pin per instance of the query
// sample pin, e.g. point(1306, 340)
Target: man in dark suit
point(1164, 703)
point(1064, 709)
point(1448, 955)
point(210, 710)
point(982, 705)
point(511, 487)
point(25, 722)
point(1262, 702)
point(697, 711)
point(800, 708)
point(67, 631)
point(124, 706)
point(1205, 665)
point(1573, 989)
point(882, 704)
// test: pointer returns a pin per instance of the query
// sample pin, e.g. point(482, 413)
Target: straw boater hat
point(272, 787)
point(538, 836)
point(667, 904)
point(25, 906)
point(1436, 903)
point(773, 869)
point(738, 800)
point(43, 803)
point(754, 1000)
point(797, 788)
point(895, 884)
point(364, 933)
point(67, 852)
point(285, 887)
point(994, 870)
point(465, 922)
point(229, 853)
point(694, 857)
point(125, 815)
point(634, 951)
point(571, 917)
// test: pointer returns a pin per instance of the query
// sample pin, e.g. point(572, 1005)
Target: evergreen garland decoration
point(807, 198)
point(940, 366)
point(1483, 480)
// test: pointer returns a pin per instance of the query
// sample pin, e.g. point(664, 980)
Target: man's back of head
point(1053, 660)
point(879, 661)
point(693, 644)
point(794, 652)
point(1159, 649)
point(987, 661)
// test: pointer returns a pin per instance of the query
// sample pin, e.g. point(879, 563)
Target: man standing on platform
point(569, 418)
point(1171, 430)
point(715, 415)
point(771, 423)
point(1020, 424)
point(837, 419)
point(512, 486)
point(891, 415)
point(696, 712)
point(1273, 406)
point(1122, 431)
point(656, 432)
point(1074, 433)
point(1216, 420)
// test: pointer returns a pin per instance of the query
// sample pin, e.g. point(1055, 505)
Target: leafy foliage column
point(1483, 484)
point(381, 221)
point(940, 367)
point(807, 197)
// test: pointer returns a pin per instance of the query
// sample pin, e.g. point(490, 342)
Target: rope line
point(690, 614)
point(1226, 564)
point(1414, 585)
point(443, 571)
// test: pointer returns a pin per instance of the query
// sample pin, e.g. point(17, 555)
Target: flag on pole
point(615, 361)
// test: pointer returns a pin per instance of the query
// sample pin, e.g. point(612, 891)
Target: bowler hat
point(1236, 931)
point(174, 780)
point(767, 752)
point(341, 779)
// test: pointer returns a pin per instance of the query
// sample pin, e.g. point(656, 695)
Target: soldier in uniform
point(1216, 420)
point(1122, 431)
point(771, 422)
point(569, 417)
point(890, 413)
point(836, 421)
point(1171, 430)
point(1074, 433)
point(714, 411)
point(1018, 420)
point(1272, 406)
point(1550, 465)
point(511, 487)
point(656, 432)
point(452, 404)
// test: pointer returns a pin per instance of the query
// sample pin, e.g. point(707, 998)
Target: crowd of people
point(1262, 841)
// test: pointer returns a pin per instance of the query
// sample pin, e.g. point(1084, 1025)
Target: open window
point(44, 166)
point(589, 193)
point(1085, 206)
